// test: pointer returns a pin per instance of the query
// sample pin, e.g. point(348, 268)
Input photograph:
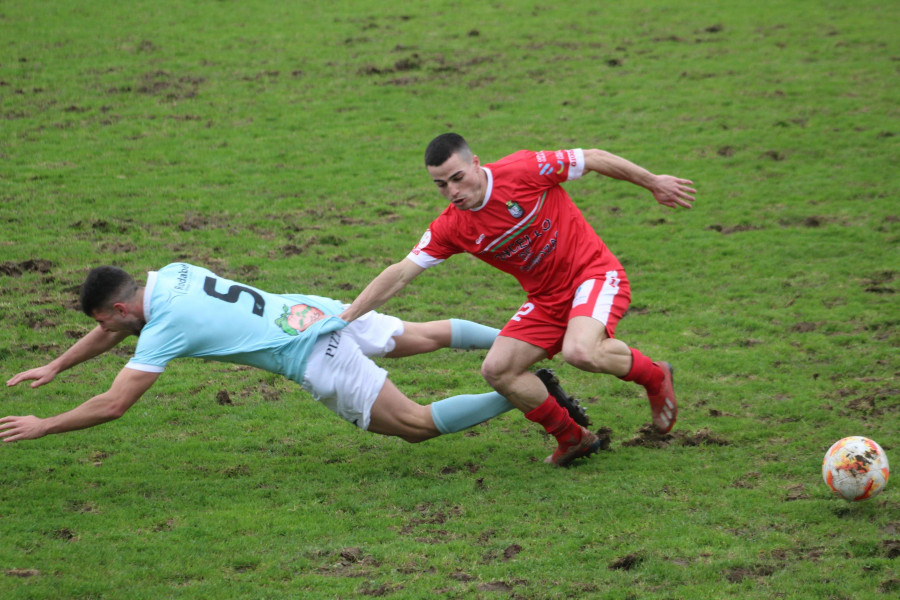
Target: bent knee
point(494, 372)
point(581, 356)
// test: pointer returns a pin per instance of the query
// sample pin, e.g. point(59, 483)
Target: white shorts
point(340, 374)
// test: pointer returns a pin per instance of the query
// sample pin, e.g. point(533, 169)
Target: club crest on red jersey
point(514, 209)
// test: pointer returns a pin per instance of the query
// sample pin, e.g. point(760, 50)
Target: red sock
point(644, 372)
point(556, 420)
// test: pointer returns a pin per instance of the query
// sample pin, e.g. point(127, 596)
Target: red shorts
point(544, 324)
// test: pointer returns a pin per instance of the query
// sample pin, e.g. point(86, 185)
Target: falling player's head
point(104, 287)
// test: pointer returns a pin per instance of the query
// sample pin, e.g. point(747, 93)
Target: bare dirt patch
point(34, 265)
point(747, 481)
point(382, 590)
point(605, 436)
point(495, 586)
point(118, 247)
point(428, 516)
point(880, 283)
point(729, 229)
point(350, 562)
point(510, 552)
point(197, 221)
point(23, 573)
point(626, 563)
point(874, 404)
point(164, 84)
point(648, 437)
point(796, 492)
point(739, 574)
point(89, 229)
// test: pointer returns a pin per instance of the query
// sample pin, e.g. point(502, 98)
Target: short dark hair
point(104, 287)
point(443, 147)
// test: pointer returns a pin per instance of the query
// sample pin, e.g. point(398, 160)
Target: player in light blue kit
point(188, 311)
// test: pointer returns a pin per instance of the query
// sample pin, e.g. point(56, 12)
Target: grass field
point(281, 144)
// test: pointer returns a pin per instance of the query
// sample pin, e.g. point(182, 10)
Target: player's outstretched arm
point(127, 389)
point(668, 190)
point(96, 342)
point(382, 288)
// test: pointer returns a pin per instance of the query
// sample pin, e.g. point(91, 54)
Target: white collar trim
point(488, 188)
point(148, 292)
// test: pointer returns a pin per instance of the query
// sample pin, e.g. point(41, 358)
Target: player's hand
point(673, 192)
point(38, 376)
point(13, 429)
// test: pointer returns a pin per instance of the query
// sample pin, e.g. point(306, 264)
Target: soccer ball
point(855, 468)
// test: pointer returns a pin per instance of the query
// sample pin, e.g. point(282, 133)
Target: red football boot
point(565, 454)
point(663, 404)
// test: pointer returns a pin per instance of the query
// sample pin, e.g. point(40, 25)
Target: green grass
point(281, 144)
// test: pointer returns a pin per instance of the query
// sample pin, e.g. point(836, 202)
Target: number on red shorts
point(526, 308)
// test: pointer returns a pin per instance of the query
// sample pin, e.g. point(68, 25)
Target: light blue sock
point(456, 413)
point(469, 335)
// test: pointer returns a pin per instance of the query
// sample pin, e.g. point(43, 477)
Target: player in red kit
point(514, 215)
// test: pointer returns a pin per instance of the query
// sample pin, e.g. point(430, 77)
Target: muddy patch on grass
point(648, 437)
point(715, 412)
point(427, 515)
point(268, 392)
point(880, 283)
point(451, 469)
point(350, 562)
point(163, 84)
point(626, 563)
point(90, 229)
point(874, 404)
point(739, 574)
point(891, 548)
point(889, 586)
point(605, 436)
point(198, 221)
point(382, 590)
point(34, 265)
point(118, 247)
point(495, 586)
point(789, 556)
point(23, 573)
point(729, 229)
point(511, 551)
point(748, 481)
point(431, 68)
point(64, 534)
point(726, 151)
point(796, 492)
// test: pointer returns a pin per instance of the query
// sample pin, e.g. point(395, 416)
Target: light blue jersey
point(192, 312)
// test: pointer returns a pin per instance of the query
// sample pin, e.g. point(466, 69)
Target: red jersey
point(528, 226)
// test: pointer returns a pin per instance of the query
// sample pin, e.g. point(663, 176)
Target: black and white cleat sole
point(570, 403)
